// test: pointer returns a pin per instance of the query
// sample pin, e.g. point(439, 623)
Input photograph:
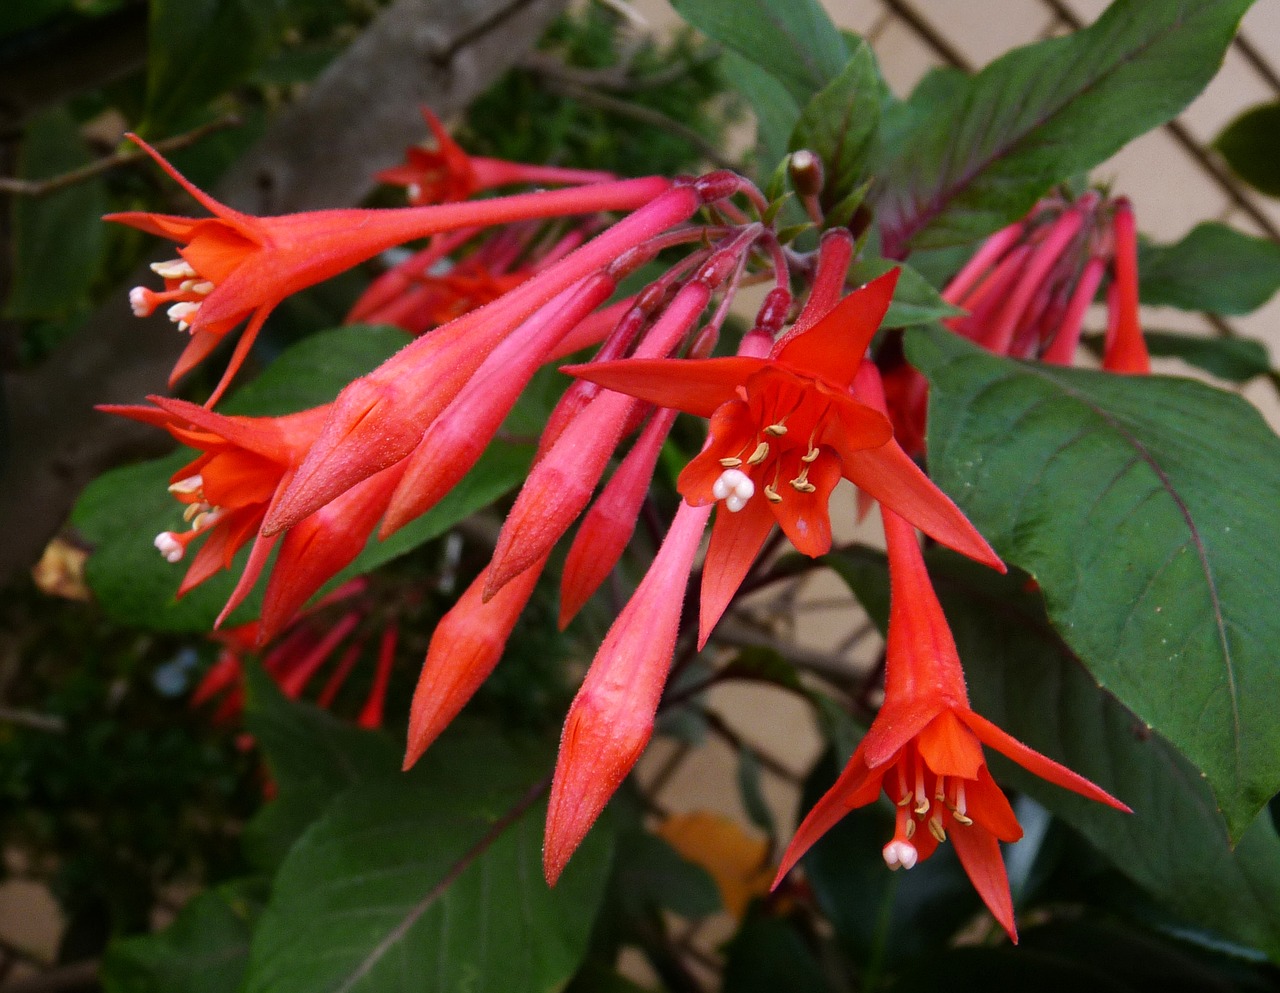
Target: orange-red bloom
point(784, 429)
point(448, 173)
point(235, 265)
point(924, 748)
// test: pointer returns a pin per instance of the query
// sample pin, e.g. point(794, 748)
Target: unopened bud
point(806, 173)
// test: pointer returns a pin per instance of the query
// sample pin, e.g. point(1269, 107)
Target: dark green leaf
point(776, 111)
point(1251, 146)
point(198, 49)
point(840, 125)
point(203, 951)
point(58, 238)
point(915, 301)
point(650, 874)
point(431, 881)
point(978, 158)
point(312, 757)
point(793, 40)
point(749, 789)
point(1236, 359)
point(1022, 677)
point(1214, 268)
point(1145, 509)
point(767, 955)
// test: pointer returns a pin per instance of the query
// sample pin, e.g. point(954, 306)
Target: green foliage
point(975, 157)
point(1109, 491)
point(530, 117)
point(768, 953)
point(58, 238)
point(1234, 359)
point(792, 40)
point(1214, 268)
point(1251, 146)
point(203, 951)
point(776, 110)
point(840, 124)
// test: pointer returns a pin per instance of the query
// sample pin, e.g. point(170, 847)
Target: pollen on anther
point(174, 269)
point(731, 463)
point(190, 484)
point(777, 430)
point(760, 454)
point(182, 312)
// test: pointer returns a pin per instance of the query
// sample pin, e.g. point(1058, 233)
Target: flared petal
point(833, 348)
point(989, 808)
point(949, 748)
point(1031, 760)
point(857, 786)
point(736, 539)
point(804, 516)
point(696, 386)
point(980, 855)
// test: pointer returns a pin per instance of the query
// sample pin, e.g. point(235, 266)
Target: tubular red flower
point(1125, 349)
point(379, 418)
point(234, 265)
point(787, 427)
point(611, 719)
point(448, 173)
point(924, 749)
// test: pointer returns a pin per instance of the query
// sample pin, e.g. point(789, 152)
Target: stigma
point(735, 488)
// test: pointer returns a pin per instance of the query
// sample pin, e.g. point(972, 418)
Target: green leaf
point(768, 954)
point(312, 757)
point(915, 301)
point(58, 238)
point(1025, 679)
point(840, 125)
point(648, 874)
point(431, 881)
point(1251, 146)
point(203, 951)
point(793, 40)
point(198, 49)
point(776, 111)
point(1236, 359)
point(1214, 268)
point(980, 156)
point(1145, 509)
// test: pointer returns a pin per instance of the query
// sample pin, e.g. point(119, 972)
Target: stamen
point(192, 484)
point(777, 430)
point(810, 455)
point(731, 462)
point(909, 830)
point(771, 494)
point(174, 269)
point(900, 854)
point(803, 485)
point(181, 313)
point(936, 829)
point(760, 454)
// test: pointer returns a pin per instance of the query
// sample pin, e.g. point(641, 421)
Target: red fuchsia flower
point(228, 490)
point(611, 718)
point(784, 430)
point(924, 749)
point(381, 417)
point(1027, 290)
point(299, 655)
point(448, 173)
point(234, 266)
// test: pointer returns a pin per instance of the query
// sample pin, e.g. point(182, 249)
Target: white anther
point(181, 313)
point(735, 488)
point(170, 547)
point(174, 269)
point(900, 854)
point(192, 484)
point(140, 301)
point(204, 287)
point(413, 191)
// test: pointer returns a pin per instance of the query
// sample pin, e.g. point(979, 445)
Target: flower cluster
point(797, 408)
point(1026, 292)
